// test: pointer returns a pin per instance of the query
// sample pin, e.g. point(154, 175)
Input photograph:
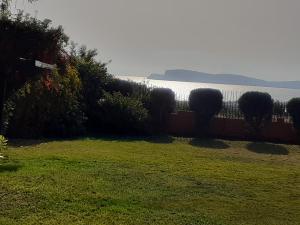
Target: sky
point(260, 38)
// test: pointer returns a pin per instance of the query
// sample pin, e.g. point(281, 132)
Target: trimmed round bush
point(293, 108)
point(279, 109)
point(161, 104)
point(257, 108)
point(206, 103)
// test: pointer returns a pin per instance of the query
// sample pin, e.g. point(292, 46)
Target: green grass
point(164, 181)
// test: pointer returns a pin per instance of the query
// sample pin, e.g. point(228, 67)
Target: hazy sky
point(260, 38)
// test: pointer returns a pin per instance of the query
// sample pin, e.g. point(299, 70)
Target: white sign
point(44, 65)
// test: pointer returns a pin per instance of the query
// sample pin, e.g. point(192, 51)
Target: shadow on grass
point(160, 139)
point(9, 168)
point(267, 148)
point(209, 143)
point(17, 143)
point(165, 139)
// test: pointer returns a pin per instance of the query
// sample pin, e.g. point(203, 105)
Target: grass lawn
point(154, 181)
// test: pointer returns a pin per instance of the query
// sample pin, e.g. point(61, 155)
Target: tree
point(24, 40)
point(4, 7)
point(293, 108)
point(257, 108)
point(206, 103)
point(161, 104)
point(48, 107)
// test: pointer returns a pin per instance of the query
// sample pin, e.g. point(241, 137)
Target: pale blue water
point(183, 89)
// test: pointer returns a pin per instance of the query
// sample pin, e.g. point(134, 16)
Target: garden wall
point(183, 124)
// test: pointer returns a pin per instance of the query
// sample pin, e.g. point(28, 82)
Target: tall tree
point(5, 5)
point(23, 40)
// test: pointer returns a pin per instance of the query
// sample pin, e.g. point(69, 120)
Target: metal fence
point(230, 107)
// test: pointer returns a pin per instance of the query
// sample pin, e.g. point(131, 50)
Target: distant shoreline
point(226, 79)
point(250, 85)
point(245, 85)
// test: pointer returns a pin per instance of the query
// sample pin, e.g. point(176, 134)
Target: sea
point(230, 92)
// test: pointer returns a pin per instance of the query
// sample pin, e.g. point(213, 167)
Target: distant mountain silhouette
point(232, 79)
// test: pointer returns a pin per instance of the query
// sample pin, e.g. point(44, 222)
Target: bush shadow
point(18, 143)
point(209, 143)
point(160, 139)
point(9, 168)
point(164, 139)
point(267, 148)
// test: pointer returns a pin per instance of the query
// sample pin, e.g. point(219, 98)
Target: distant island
point(231, 79)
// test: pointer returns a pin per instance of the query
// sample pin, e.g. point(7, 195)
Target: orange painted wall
point(183, 124)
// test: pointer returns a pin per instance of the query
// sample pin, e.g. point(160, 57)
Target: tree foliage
point(121, 114)
point(161, 104)
point(5, 7)
point(22, 41)
point(30, 39)
point(49, 107)
point(293, 108)
point(98, 84)
point(257, 108)
point(206, 103)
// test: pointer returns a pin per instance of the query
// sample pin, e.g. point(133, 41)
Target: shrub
point(161, 104)
point(293, 108)
point(206, 103)
point(93, 77)
point(3, 142)
point(129, 88)
point(96, 81)
point(49, 107)
point(121, 114)
point(279, 109)
point(257, 108)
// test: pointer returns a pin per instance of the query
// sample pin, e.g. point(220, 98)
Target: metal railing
point(231, 109)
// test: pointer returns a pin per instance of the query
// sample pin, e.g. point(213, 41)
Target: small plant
point(206, 103)
point(3, 142)
point(161, 104)
point(293, 108)
point(257, 108)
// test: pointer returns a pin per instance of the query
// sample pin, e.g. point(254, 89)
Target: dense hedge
point(96, 82)
point(49, 107)
point(293, 108)
point(31, 39)
point(121, 114)
point(206, 103)
point(257, 108)
point(161, 104)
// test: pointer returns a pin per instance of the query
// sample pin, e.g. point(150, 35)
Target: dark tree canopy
point(206, 103)
point(31, 39)
point(22, 41)
point(4, 5)
point(293, 108)
point(162, 104)
point(257, 108)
